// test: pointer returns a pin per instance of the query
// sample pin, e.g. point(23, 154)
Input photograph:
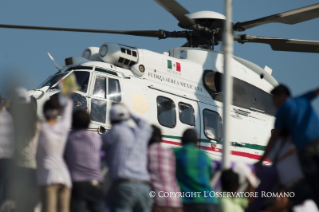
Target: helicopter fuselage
point(175, 91)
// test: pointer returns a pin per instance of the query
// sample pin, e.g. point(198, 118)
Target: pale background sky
point(23, 52)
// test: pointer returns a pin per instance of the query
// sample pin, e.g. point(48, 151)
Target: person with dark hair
point(298, 117)
point(161, 166)
point(280, 90)
point(82, 156)
point(230, 183)
point(80, 120)
point(51, 110)
point(125, 149)
point(52, 172)
point(229, 180)
point(194, 172)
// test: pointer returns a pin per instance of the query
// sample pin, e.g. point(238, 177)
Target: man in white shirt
point(99, 91)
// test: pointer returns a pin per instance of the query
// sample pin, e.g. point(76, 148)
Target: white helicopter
point(181, 88)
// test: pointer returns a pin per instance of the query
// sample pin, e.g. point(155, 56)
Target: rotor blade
point(290, 17)
point(281, 44)
point(145, 33)
point(178, 11)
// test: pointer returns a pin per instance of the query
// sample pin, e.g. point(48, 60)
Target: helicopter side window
point(79, 101)
point(100, 87)
point(98, 110)
point(186, 113)
point(166, 113)
point(114, 90)
point(212, 125)
point(82, 79)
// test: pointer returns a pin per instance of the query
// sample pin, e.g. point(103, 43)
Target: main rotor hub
point(209, 19)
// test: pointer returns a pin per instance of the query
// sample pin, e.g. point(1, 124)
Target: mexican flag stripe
point(169, 64)
point(178, 67)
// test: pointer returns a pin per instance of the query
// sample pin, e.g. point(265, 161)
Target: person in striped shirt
point(161, 167)
point(194, 172)
point(82, 156)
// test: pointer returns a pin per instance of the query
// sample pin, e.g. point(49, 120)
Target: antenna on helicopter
point(59, 67)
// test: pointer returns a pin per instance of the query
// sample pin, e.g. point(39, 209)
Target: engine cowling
point(91, 53)
point(212, 81)
point(118, 54)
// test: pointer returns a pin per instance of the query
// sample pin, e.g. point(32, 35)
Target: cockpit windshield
point(52, 80)
point(82, 79)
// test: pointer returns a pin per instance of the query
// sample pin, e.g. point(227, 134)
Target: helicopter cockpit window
point(100, 87)
point(82, 79)
point(54, 79)
point(186, 113)
point(212, 125)
point(114, 90)
point(166, 113)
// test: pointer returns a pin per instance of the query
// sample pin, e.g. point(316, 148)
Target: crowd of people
point(46, 163)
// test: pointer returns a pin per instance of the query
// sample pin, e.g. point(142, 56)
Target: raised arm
point(274, 137)
point(311, 95)
point(67, 112)
point(141, 123)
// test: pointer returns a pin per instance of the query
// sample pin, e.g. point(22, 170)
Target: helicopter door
point(98, 102)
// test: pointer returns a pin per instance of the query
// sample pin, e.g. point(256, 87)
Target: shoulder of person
point(116, 131)
point(96, 137)
point(154, 146)
point(288, 103)
point(285, 106)
point(175, 150)
point(81, 133)
point(162, 149)
point(121, 128)
point(90, 134)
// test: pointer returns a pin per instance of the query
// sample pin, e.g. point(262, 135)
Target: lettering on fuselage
point(174, 72)
point(175, 82)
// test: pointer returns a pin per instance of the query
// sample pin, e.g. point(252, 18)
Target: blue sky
point(23, 52)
